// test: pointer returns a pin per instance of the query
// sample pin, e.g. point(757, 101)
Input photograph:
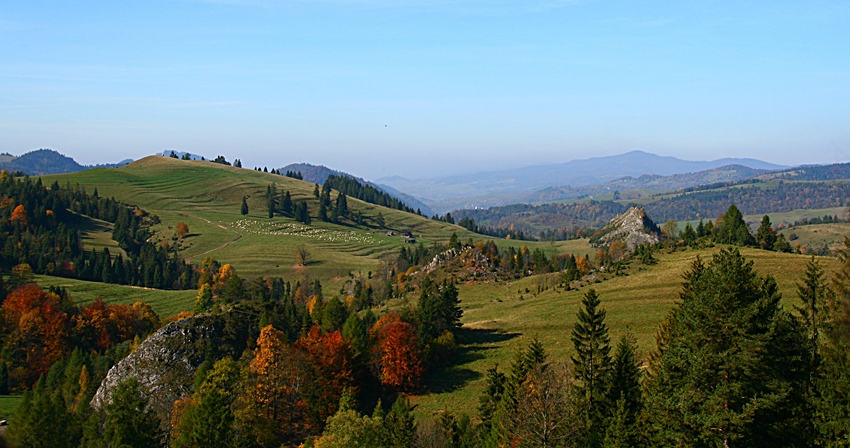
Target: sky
point(419, 89)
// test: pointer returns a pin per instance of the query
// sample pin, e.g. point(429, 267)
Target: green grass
point(500, 319)
point(165, 303)
point(8, 403)
point(207, 197)
point(816, 236)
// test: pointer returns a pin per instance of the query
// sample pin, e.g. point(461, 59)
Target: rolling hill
point(207, 197)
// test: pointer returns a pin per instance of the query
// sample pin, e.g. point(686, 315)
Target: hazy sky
point(416, 88)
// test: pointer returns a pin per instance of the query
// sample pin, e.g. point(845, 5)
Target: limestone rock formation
point(633, 228)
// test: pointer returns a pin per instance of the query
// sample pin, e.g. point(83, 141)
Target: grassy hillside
point(207, 197)
point(165, 303)
point(499, 319)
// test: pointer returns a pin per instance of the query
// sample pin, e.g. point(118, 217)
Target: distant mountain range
point(48, 161)
point(511, 186)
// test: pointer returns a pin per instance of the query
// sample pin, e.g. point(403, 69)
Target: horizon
point(420, 90)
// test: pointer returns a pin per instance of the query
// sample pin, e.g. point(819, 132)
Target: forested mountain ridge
point(752, 198)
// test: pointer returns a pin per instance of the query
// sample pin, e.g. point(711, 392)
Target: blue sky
point(421, 88)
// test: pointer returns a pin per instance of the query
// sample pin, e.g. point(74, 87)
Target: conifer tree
point(832, 416)
point(244, 206)
point(813, 293)
point(765, 235)
point(592, 361)
point(128, 420)
point(399, 425)
point(286, 203)
point(731, 365)
point(625, 377)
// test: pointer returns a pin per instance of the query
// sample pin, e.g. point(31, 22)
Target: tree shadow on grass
point(472, 345)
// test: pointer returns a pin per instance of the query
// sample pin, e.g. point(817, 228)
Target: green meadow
point(500, 319)
point(165, 303)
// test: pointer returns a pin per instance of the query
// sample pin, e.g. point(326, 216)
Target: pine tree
point(813, 293)
point(286, 203)
point(731, 365)
point(244, 206)
point(832, 383)
point(625, 377)
point(765, 235)
point(592, 361)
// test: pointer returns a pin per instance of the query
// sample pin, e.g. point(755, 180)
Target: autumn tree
point(548, 410)
point(19, 215)
point(399, 354)
point(181, 230)
point(331, 357)
point(280, 380)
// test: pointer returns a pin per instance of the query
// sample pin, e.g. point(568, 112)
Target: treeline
point(39, 227)
point(368, 193)
point(546, 222)
point(752, 200)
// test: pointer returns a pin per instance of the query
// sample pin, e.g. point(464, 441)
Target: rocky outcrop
point(165, 364)
point(469, 260)
point(633, 228)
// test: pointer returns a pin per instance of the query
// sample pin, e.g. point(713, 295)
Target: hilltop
point(48, 161)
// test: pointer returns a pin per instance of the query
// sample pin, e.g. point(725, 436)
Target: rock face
point(165, 364)
point(633, 228)
point(470, 261)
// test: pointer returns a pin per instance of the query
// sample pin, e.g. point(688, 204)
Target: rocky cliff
point(633, 228)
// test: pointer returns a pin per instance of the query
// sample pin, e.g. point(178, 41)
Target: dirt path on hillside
point(238, 236)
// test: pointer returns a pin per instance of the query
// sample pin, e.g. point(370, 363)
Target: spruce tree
point(625, 377)
point(813, 293)
point(286, 203)
point(244, 206)
point(731, 365)
point(765, 235)
point(592, 359)
point(832, 383)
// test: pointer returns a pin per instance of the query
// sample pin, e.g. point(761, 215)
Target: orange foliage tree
point(400, 356)
point(181, 230)
point(281, 380)
point(19, 215)
point(332, 357)
point(40, 330)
